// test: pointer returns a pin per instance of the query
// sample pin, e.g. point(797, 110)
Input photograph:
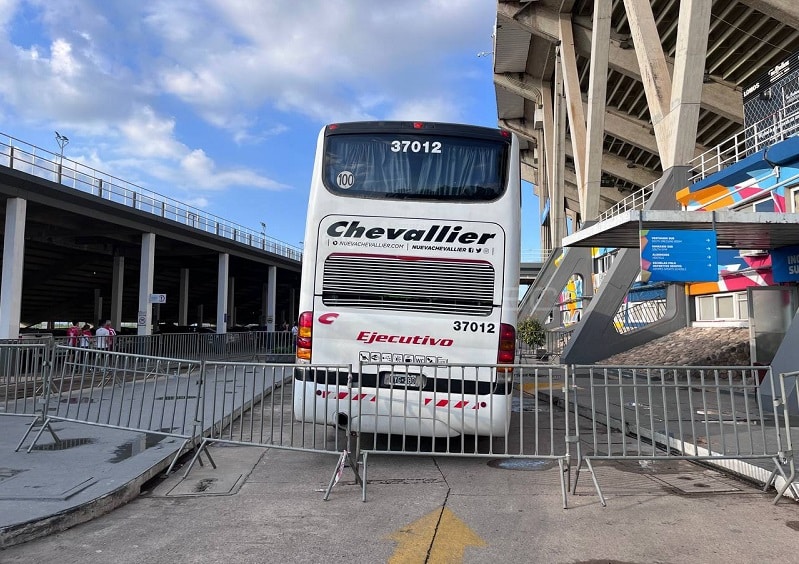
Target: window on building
point(722, 307)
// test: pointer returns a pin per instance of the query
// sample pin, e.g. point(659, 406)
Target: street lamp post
point(62, 141)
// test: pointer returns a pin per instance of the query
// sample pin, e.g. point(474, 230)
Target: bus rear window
point(409, 166)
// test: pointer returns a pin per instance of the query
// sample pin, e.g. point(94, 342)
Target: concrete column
point(221, 292)
point(13, 266)
point(146, 272)
point(200, 314)
point(597, 94)
point(271, 298)
point(231, 302)
point(263, 318)
point(98, 306)
point(183, 305)
point(557, 212)
point(293, 307)
point(117, 285)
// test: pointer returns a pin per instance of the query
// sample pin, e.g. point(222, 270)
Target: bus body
point(410, 266)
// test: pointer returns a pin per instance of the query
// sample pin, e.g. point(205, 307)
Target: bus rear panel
point(410, 276)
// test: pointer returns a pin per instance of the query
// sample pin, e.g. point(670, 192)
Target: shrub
point(531, 332)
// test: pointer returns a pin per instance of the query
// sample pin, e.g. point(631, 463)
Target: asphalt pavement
point(265, 505)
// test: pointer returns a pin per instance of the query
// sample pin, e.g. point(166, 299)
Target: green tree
point(531, 332)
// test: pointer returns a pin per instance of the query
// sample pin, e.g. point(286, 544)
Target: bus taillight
point(507, 344)
point(304, 331)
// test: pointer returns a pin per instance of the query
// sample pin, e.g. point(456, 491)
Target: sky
point(218, 103)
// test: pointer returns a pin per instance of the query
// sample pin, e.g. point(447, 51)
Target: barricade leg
point(39, 418)
point(364, 481)
point(346, 459)
point(175, 459)
point(596, 482)
point(788, 481)
point(564, 469)
point(196, 458)
point(47, 426)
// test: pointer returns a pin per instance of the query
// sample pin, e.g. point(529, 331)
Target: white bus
point(410, 267)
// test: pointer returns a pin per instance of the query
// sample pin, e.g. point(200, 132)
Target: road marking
point(532, 387)
point(449, 535)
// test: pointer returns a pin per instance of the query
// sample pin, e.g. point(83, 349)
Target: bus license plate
point(407, 380)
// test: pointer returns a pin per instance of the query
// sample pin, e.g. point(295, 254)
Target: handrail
point(772, 129)
point(22, 156)
point(635, 201)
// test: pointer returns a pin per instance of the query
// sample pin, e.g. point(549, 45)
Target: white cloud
point(148, 135)
point(312, 57)
point(200, 171)
point(126, 80)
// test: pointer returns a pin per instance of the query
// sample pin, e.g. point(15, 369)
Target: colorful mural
point(766, 176)
point(571, 301)
point(765, 173)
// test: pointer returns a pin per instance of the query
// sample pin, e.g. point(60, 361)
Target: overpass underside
point(656, 85)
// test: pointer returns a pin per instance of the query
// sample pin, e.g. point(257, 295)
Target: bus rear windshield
point(409, 166)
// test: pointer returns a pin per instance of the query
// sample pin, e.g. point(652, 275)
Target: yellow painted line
point(449, 536)
point(532, 387)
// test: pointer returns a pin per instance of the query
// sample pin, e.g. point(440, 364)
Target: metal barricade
point(23, 376)
point(123, 391)
point(699, 413)
point(274, 405)
point(788, 404)
point(483, 411)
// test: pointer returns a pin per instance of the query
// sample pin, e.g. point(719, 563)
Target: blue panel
point(785, 264)
point(677, 255)
point(784, 152)
point(736, 173)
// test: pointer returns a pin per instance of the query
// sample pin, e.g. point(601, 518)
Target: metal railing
point(22, 376)
point(777, 127)
point(635, 201)
point(458, 410)
point(522, 414)
point(700, 413)
point(22, 156)
point(635, 315)
point(243, 345)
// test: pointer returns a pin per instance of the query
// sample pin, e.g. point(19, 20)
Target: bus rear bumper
point(403, 411)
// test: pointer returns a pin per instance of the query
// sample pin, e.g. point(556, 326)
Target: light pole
point(62, 141)
point(263, 232)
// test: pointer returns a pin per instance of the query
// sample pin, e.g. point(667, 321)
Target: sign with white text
point(677, 255)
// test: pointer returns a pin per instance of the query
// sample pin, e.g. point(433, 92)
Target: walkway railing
point(777, 127)
point(770, 130)
point(22, 156)
point(635, 201)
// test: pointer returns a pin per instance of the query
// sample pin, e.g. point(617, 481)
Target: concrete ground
point(264, 505)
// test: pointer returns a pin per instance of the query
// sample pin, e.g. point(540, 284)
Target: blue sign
point(679, 255)
point(785, 264)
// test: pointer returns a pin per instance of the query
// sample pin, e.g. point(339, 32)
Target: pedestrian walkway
point(94, 470)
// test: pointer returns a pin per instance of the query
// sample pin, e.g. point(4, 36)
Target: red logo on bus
point(328, 318)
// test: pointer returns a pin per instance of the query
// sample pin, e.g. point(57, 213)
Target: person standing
point(73, 333)
point(103, 336)
point(112, 334)
point(86, 336)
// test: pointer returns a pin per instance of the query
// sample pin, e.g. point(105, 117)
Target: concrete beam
point(689, 65)
point(612, 164)
point(618, 124)
point(784, 11)
point(718, 98)
point(597, 95)
point(655, 75)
